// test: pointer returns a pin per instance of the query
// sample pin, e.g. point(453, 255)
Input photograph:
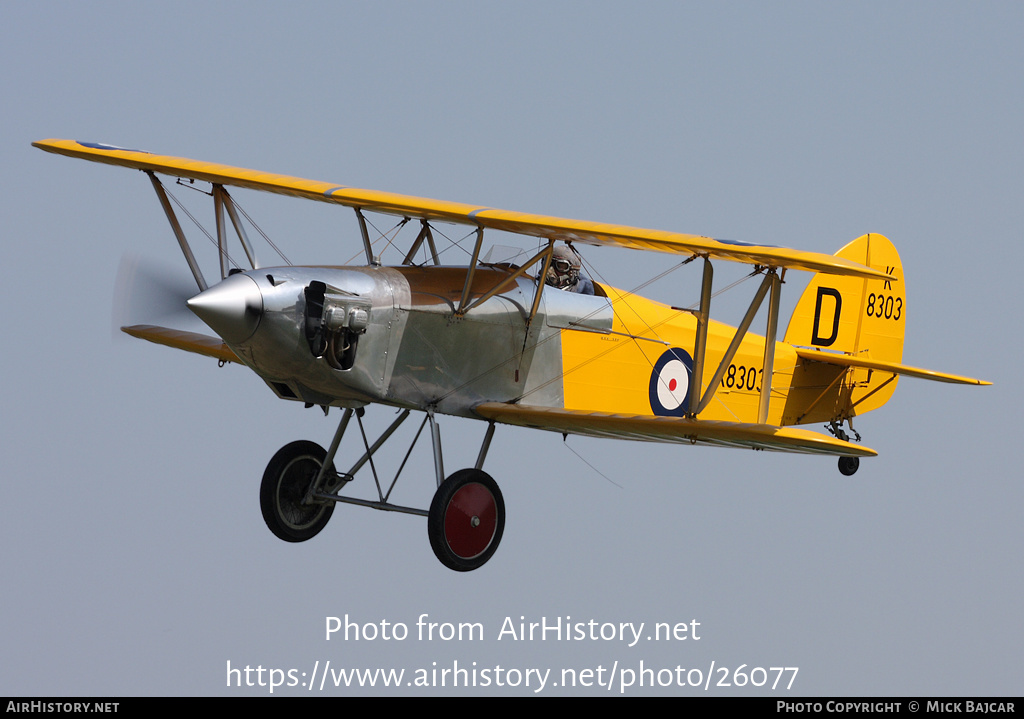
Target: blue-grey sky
point(134, 557)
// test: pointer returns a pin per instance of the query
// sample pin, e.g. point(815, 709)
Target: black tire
point(285, 483)
point(849, 465)
point(466, 520)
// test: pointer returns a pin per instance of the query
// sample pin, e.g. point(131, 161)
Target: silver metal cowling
point(411, 350)
point(279, 352)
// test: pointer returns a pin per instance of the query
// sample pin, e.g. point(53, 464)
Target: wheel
point(285, 483)
point(466, 520)
point(849, 465)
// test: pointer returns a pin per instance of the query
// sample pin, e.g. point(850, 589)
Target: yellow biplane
point(526, 341)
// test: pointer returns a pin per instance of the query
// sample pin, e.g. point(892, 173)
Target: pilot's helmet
point(565, 268)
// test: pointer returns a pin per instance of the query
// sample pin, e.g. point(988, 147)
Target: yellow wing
point(182, 340)
point(671, 429)
point(555, 228)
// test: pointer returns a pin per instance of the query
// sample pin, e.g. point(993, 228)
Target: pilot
point(564, 272)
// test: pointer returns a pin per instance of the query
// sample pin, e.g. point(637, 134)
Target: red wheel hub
point(470, 520)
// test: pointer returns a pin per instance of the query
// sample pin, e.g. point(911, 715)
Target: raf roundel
point(670, 383)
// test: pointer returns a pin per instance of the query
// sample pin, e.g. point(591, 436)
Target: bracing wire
point(210, 237)
point(263, 234)
point(584, 460)
point(202, 229)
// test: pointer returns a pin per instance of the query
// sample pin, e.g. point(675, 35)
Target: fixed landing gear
point(848, 466)
point(289, 513)
point(465, 521)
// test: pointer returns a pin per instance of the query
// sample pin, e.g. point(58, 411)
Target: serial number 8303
point(888, 306)
point(740, 377)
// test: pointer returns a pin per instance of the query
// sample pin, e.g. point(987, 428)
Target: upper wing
point(554, 228)
point(845, 360)
point(671, 429)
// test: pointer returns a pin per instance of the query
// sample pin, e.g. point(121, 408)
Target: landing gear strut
point(848, 466)
point(465, 521)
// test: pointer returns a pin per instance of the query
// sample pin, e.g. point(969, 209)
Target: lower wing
point(671, 429)
point(188, 341)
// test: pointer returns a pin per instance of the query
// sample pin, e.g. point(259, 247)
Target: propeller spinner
point(231, 308)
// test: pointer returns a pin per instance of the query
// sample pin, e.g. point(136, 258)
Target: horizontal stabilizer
point(188, 341)
point(522, 223)
point(846, 360)
point(671, 429)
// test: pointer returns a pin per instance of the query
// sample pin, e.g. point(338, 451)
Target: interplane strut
point(771, 284)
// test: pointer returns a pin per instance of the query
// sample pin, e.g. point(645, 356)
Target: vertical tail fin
point(855, 316)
